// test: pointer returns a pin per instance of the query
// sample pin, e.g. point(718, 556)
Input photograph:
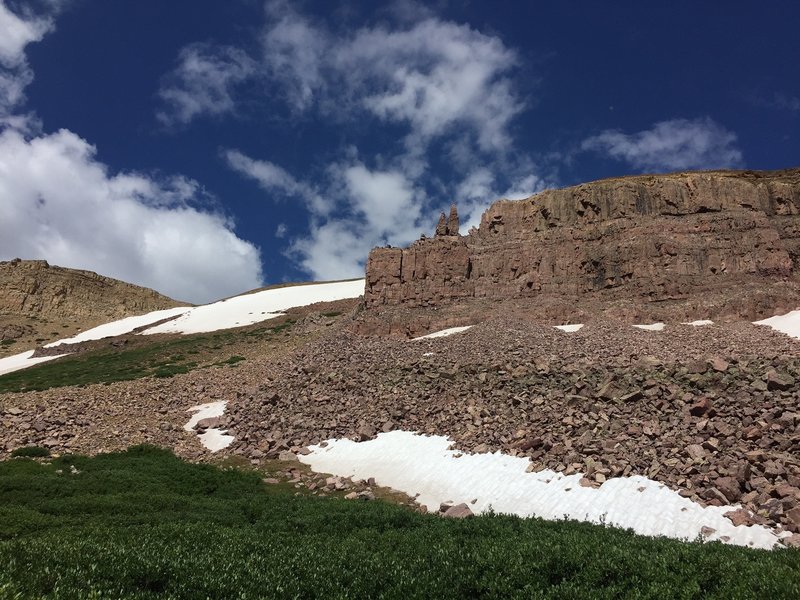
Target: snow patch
point(569, 328)
point(213, 439)
point(122, 326)
point(427, 467)
point(442, 333)
point(788, 323)
point(699, 323)
point(651, 327)
point(256, 307)
point(9, 364)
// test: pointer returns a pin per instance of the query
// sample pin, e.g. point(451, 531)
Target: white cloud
point(435, 81)
point(431, 76)
point(272, 178)
point(480, 188)
point(203, 82)
point(16, 32)
point(293, 54)
point(786, 102)
point(57, 202)
point(281, 230)
point(376, 207)
point(677, 144)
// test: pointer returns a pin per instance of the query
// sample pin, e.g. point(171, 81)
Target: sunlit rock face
point(726, 240)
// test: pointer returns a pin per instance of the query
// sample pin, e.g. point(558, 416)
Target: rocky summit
point(713, 244)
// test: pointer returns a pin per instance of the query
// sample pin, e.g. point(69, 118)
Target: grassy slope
point(147, 357)
point(144, 524)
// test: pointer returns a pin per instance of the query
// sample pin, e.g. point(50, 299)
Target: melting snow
point(9, 364)
point(214, 439)
point(788, 323)
point(651, 327)
point(416, 464)
point(258, 306)
point(442, 333)
point(122, 326)
point(699, 323)
point(233, 312)
point(569, 328)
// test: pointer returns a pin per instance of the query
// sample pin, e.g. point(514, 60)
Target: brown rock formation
point(441, 226)
point(35, 288)
point(677, 239)
point(43, 302)
point(452, 221)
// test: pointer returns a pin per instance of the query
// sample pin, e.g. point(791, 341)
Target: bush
point(30, 452)
point(144, 524)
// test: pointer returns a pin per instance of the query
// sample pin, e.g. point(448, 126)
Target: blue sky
point(203, 148)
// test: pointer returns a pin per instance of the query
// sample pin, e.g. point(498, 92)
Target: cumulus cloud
point(480, 187)
point(431, 76)
point(373, 207)
point(16, 32)
point(437, 76)
point(379, 207)
point(671, 145)
point(203, 82)
point(59, 203)
point(294, 54)
point(446, 87)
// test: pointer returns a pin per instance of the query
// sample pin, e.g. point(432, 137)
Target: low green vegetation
point(145, 357)
point(7, 342)
point(143, 524)
point(31, 452)
point(230, 361)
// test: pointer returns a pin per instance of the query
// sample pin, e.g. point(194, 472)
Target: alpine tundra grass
point(144, 524)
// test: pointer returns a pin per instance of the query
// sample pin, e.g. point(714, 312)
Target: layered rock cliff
point(33, 288)
point(649, 238)
point(40, 302)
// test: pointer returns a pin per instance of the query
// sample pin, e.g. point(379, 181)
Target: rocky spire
point(441, 227)
point(452, 221)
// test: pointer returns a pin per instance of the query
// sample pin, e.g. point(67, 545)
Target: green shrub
point(30, 452)
point(144, 524)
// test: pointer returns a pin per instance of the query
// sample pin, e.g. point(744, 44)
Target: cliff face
point(647, 238)
point(33, 288)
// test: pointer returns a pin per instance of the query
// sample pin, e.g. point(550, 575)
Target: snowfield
point(225, 314)
point(442, 333)
point(426, 468)
point(788, 323)
point(9, 364)
point(258, 306)
point(122, 326)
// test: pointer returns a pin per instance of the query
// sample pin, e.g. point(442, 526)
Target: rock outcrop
point(41, 303)
point(647, 239)
point(33, 288)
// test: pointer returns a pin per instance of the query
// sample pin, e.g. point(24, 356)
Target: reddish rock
point(779, 382)
point(793, 541)
point(739, 517)
point(701, 407)
point(729, 488)
point(718, 364)
point(459, 511)
point(637, 239)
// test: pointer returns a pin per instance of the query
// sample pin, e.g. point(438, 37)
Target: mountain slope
point(40, 302)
